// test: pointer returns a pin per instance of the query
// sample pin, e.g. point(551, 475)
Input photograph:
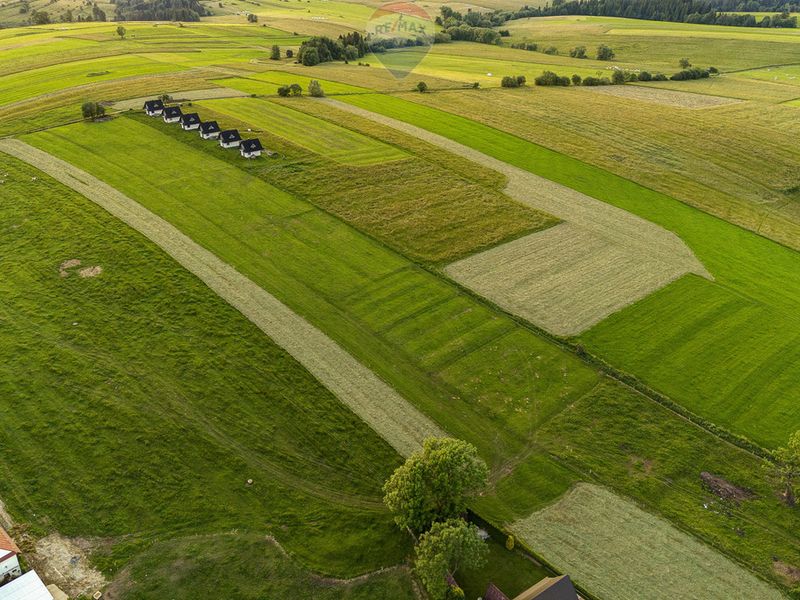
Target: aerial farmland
point(342, 299)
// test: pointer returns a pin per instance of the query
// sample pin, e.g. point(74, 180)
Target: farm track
point(606, 250)
point(376, 403)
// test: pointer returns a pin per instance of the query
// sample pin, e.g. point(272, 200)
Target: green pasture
point(298, 76)
point(789, 75)
point(28, 84)
point(138, 403)
point(756, 270)
point(340, 144)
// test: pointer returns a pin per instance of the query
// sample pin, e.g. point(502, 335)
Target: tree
point(315, 89)
point(283, 91)
point(350, 53)
point(618, 77)
point(92, 110)
point(290, 53)
point(40, 17)
point(551, 50)
point(578, 52)
point(252, 18)
point(786, 468)
point(295, 89)
point(121, 32)
point(435, 483)
point(446, 548)
point(310, 57)
point(509, 82)
point(604, 52)
point(684, 63)
point(422, 87)
point(275, 53)
point(576, 79)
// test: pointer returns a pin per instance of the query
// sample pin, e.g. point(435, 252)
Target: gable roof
point(494, 593)
point(551, 588)
point(209, 126)
point(172, 111)
point(190, 118)
point(153, 105)
point(251, 145)
point(230, 135)
point(25, 587)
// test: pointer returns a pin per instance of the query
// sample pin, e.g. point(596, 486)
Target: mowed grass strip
point(138, 403)
point(615, 549)
point(340, 144)
point(28, 84)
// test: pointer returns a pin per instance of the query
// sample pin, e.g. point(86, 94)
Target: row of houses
point(16, 585)
point(209, 130)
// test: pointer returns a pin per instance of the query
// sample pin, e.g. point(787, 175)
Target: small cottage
point(209, 130)
point(153, 108)
point(9, 559)
point(251, 148)
point(172, 114)
point(190, 122)
point(230, 138)
point(549, 588)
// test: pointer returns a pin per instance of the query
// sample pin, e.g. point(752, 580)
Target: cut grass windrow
point(383, 409)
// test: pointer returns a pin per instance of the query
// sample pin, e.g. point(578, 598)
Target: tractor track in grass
point(598, 261)
point(370, 398)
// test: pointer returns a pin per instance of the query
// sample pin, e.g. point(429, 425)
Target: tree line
point(159, 10)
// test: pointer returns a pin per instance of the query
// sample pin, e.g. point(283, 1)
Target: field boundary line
point(382, 408)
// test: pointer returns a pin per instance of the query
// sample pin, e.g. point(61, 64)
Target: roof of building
point(230, 135)
point(494, 593)
point(6, 543)
point(172, 111)
point(153, 105)
point(209, 126)
point(25, 587)
point(251, 145)
point(551, 588)
point(190, 118)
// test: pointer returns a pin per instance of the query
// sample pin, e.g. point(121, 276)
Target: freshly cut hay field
point(664, 97)
point(620, 244)
point(749, 266)
point(340, 144)
point(564, 279)
point(155, 401)
point(614, 548)
point(788, 74)
point(178, 96)
point(22, 86)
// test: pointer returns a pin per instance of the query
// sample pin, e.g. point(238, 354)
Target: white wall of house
point(9, 567)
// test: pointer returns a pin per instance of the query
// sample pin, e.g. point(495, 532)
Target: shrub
point(309, 57)
point(350, 53)
point(509, 82)
point(290, 54)
point(283, 91)
point(593, 81)
point(618, 78)
point(684, 63)
point(422, 87)
point(442, 38)
point(713, 70)
point(275, 53)
point(645, 76)
point(576, 79)
point(550, 78)
point(315, 89)
point(92, 110)
point(295, 89)
point(659, 77)
point(510, 542)
point(578, 52)
point(521, 80)
point(551, 50)
point(251, 18)
point(604, 52)
point(692, 73)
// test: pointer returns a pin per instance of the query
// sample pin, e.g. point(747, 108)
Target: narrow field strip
point(614, 548)
point(383, 409)
point(202, 94)
point(633, 257)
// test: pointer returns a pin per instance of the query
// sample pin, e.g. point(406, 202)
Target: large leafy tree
point(786, 468)
point(435, 483)
point(446, 548)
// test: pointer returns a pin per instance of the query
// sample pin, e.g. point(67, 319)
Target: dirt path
point(601, 259)
point(380, 406)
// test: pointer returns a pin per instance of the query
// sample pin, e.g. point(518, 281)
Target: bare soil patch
point(724, 489)
point(789, 572)
point(64, 267)
point(664, 96)
point(91, 271)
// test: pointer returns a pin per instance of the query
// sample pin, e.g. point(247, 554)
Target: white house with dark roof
point(209, 130)
point(9, 558)
point(172, 114)
point(230, 138)
point(251, 148)
point(153, 108)
point(25, 587)
point(190, 122)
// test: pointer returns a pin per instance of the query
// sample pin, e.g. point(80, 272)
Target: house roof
point(6, 543)
point(230, 135)
point(153, 105)
point(25, 587)
point(494, 593)
point(172, 111)
point(251, 145)
point(209, 126)
point(551, 588)
point(190, 118)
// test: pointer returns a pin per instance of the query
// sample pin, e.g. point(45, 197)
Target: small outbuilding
point(9, 558)
point(251, 148)
point(25, 587)
point(172, 114)
point(190, 122)
point(154, 108)
point(209, 130)
point(230, 138)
